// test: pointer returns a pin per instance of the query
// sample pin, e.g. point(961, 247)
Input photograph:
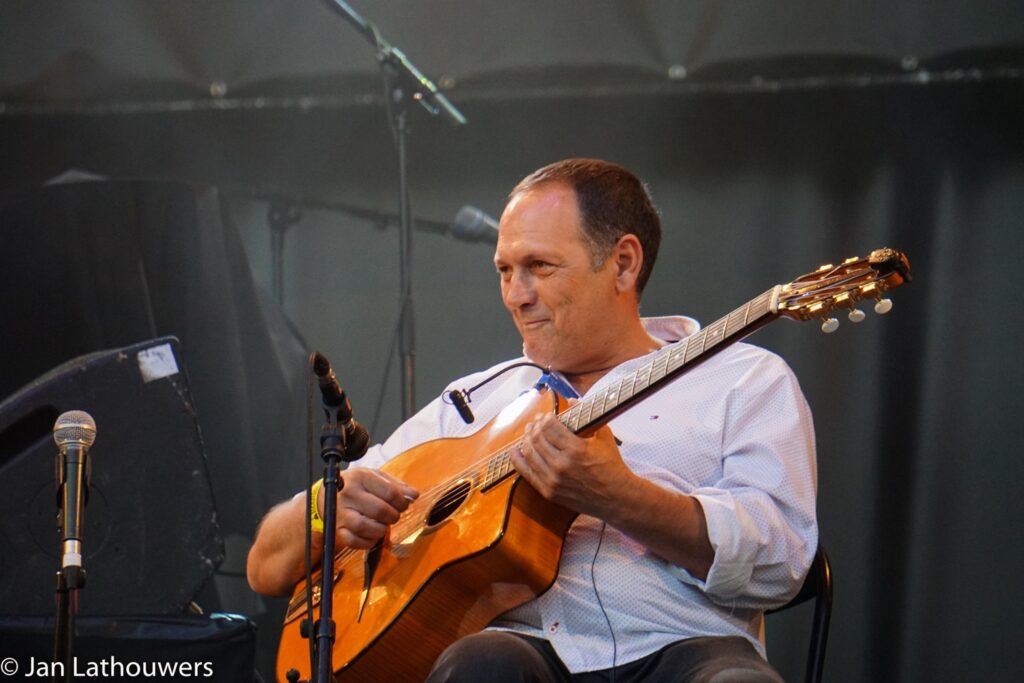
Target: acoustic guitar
point(480, 540)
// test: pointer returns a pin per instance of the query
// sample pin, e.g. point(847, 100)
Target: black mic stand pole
point(69, 581)
point(402, 78)
point(332, 450)
point(406, 318)
point(73, 493)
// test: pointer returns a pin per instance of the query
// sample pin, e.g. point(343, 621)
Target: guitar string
point(672, 364)
point(478, 473)
point(676, 357)
point(616, 394)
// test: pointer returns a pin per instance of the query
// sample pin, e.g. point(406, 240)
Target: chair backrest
point(817, 586)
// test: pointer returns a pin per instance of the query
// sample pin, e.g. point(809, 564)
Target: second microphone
point(333, 397)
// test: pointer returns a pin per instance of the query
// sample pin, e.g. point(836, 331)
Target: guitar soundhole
point(448, 503)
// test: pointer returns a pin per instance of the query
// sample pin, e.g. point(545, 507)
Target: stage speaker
point(150, 536)
point(218, 648)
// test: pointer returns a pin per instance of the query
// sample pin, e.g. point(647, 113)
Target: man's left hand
point(582, 474)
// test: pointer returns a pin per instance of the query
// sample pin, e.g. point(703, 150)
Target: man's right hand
point(369, 502)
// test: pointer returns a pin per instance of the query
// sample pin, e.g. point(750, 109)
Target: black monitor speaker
point(150, 536)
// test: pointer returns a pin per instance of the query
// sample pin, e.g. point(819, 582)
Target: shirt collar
point(666, 328)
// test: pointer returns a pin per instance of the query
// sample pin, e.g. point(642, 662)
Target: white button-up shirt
point(736, 433)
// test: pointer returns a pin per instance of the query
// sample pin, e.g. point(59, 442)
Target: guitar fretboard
point(667, 364)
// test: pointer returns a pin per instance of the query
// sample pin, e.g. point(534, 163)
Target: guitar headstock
point(834, 287)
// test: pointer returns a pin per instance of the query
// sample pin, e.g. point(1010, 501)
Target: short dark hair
point(612, 202)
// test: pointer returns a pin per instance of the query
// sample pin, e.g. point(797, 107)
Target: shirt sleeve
point(439, 418)
point(761, 514)
point(425, 425)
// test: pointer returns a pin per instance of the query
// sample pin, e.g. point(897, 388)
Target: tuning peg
point(830, 325)
point(883, 306)
point(855, 315)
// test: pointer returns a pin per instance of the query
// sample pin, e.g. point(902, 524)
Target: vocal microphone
point(357, 439)
point(473, 225)
point(74, 433)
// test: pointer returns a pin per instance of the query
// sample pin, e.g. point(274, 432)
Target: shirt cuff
point(728, 525)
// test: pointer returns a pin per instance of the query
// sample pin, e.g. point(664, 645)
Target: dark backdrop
point(821, 143)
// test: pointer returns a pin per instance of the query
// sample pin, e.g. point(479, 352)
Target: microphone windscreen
point(321, 366)
point(474, 225)
point(74, 426)
point(356, 442)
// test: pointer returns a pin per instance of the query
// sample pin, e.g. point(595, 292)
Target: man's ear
point(627, 257)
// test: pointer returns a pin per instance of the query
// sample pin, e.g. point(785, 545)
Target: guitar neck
point(670, 362)
point(667, 364)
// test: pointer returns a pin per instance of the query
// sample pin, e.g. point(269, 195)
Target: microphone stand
point(72, 495)
point(69, 580)
point(341, 438)
point(332, 450)
point(404, 82)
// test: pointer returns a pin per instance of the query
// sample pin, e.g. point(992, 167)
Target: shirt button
point(553, 628)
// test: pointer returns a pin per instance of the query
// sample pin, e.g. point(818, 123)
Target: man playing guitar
point(696, 507)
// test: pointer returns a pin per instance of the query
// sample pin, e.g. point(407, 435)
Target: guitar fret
point(659, 367)
point(712, 336)
point(571, 419)
point(624, 389)
point(762, 303)
point(632, 386)
point(678, 355)
point(645, 375)
point(695, 349)
point(492, 470)
point(734, 323)
point(498, 466)
point(506, 462)
point(588, 407)
point(609, 399)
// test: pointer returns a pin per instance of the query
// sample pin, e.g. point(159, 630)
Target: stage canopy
point(89, 56)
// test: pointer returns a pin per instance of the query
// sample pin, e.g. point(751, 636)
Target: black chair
point(817, 585)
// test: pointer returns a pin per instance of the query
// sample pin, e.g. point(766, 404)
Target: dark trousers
point(502, 657)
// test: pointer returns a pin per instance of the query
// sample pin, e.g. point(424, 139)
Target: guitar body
point(450, 566)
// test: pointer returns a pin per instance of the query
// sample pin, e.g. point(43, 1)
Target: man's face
point(548, 283)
